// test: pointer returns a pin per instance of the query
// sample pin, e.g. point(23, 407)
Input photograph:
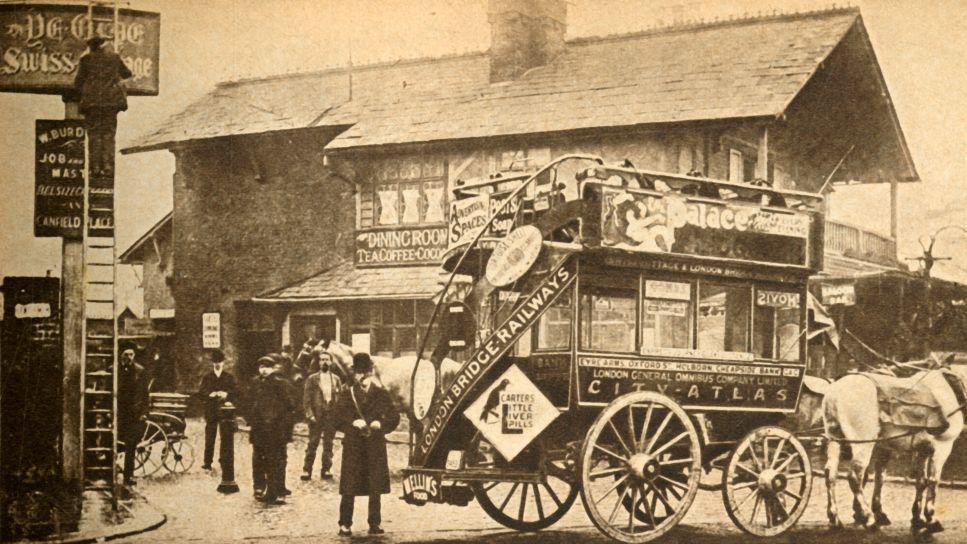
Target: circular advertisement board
point(514, 255)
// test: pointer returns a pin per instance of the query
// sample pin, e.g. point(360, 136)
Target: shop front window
point(608, 319)
point(777, 330)
point(391, 325)
point(723, 317)
point(666, 317)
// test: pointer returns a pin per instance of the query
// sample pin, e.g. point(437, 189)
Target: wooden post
point(762, 155)
point(72, 307)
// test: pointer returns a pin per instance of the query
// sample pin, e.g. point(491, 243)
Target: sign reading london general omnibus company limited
point(41, 46)
point(400, 246)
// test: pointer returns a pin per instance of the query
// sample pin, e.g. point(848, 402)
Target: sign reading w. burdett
point(59, 176)
point(481, 363)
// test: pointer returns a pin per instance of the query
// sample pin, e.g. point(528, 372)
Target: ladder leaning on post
point(99, 375)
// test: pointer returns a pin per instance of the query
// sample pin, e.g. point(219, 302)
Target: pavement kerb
point(123, 530)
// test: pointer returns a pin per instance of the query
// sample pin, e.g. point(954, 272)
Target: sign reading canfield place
point(41, 46)
point(694, 384)
point(59, 178)
point(671, 223)
point(400, 246)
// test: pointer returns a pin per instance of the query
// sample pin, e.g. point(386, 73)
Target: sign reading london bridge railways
point(41, 46)
point(400, 246)
point(710, 384)
point(59, 178)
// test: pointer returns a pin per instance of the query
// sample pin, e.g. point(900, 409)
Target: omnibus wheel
point(522, 506)
point(767, 481)
point(641, 464)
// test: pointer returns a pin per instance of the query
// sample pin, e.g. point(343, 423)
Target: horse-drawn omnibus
point(620, 333)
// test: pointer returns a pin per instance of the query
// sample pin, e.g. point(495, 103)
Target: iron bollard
point(226, 451)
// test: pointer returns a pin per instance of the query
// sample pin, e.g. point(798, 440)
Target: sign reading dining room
point(400, 246)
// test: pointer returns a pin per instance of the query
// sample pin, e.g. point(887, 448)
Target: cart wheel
point(180, 456)
point(518, 505)
point(150, 453)
point(643, 454)
point(767, 482)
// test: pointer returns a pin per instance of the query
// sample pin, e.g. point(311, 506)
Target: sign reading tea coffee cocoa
point(59, 178)
point(41, 46)
point(400, 246)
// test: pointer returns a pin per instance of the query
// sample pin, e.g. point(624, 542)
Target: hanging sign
point(211, 330)
point(41, 46)
point(514, 256)
point(842, 293)
point(59, 178)
point(511, 412)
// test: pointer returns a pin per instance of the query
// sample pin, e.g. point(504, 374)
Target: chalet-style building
point(316, 204)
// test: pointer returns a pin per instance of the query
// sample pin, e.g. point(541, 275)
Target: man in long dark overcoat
point(101, 96)
point(365, 414)
point(217, 387)
point(133, 404)
point(268, 416)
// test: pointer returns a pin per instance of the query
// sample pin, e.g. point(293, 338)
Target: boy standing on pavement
point(268, 417)
point(319, 400)
point(365, 414)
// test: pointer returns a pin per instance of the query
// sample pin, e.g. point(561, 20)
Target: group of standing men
point(332, 399)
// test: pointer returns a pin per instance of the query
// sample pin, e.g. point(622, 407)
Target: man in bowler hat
point(268, 417)
point(133, 403)
point(101, 96)
point(217, 387)
point(365, 414)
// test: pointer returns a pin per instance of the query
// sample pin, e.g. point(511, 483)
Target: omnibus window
point(723, 317)
point(666, 317)
point(776, 325)
point(608, 319)
point(554, 327)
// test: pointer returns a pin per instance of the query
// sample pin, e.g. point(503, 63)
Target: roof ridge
point(717, 22)
point(356, 67)
point(688, 25)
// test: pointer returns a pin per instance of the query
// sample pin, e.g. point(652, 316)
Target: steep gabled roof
point(747, 68)
point(130, 253)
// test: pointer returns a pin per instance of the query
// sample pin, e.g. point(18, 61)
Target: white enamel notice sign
point(211, 330)
point(511, 412)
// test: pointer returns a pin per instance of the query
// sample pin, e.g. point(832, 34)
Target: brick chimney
point(524, 34)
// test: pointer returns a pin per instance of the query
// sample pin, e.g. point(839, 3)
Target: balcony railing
point(855, 242)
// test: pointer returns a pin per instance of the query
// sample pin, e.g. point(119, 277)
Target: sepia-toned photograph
point(483, 271)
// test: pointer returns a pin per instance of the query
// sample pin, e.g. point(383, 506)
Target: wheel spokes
point(510, 494)
point(523, 502)
point(628, 451)
point(606, 472)
point(661, 428)
point(537, 501)
point(644, 428)
point(669, 444)
point(616, 485)
point(611, 453)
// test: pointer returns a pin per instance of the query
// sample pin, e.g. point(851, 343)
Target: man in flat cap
point(101, 96)
point(217, 387)
point(268, 416)
point(133, 404)
point(365, 414)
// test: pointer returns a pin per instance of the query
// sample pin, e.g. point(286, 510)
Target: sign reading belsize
point(59, 178)
point(41, 46)
point(400, 246)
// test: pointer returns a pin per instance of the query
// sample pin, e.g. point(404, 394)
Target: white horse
point(851, 417)
point(393, 374)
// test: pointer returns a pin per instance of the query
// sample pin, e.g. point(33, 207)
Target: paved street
point(196, 512)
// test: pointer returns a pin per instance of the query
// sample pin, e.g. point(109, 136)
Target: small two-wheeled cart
point(621, 333)
point(163, 442)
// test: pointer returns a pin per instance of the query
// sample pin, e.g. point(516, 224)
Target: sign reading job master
point(41, 46)
point(400, 246)
point(59, 176)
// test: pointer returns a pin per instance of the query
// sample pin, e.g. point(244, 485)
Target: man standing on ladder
point(100, 97)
